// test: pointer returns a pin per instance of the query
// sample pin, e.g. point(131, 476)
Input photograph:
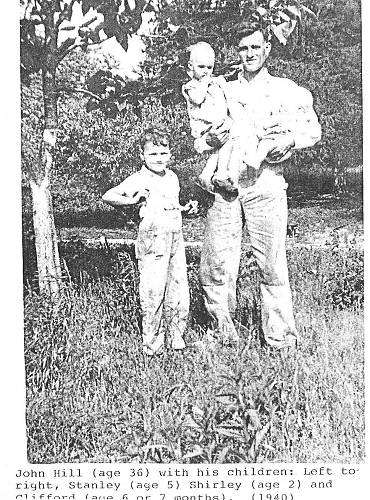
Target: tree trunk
point(48, 262)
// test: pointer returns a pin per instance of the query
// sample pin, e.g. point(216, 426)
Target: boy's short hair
point(157, 135)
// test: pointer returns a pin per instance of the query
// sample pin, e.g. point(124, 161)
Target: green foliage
point(179, 25)
point(336, 276)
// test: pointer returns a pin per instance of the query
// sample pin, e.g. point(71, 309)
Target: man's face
point(253, 51)
point(156, 156)
point(202, 64)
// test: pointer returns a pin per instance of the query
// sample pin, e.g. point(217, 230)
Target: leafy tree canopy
point(314, 29)
point(57, 27)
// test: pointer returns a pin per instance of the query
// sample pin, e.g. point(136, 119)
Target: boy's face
point(156, 156)
point(201, 64)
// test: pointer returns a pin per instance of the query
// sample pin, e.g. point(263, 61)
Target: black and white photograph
point(191, 179)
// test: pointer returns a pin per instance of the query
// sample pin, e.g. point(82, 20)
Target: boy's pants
point(265, 210)
point(163, 288)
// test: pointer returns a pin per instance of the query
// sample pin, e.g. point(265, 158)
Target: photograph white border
point(12, 374)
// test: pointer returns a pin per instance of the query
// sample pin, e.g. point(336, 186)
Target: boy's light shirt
point(162, 207)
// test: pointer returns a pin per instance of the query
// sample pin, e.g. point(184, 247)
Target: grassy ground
point(93, 396)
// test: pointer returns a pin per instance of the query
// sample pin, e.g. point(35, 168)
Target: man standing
point(262, 196)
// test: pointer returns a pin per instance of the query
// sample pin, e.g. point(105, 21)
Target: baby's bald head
point(201, 49)
point(201, 60)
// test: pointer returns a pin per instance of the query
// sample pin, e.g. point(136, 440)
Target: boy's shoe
point(178, 344)
point(150, 352)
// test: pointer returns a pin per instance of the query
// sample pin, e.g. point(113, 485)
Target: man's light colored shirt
point(268, 99)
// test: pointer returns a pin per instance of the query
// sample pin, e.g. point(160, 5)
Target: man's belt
point(249, 175)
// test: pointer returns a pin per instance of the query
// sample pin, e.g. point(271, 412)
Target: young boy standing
point(163, 287)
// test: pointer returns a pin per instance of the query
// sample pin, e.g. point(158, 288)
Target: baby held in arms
point(210, 108)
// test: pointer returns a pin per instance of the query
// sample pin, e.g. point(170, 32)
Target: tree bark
point(47, 253)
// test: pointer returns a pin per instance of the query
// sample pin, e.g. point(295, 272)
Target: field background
point(93, 396)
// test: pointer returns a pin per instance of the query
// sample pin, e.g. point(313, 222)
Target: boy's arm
point(119, 197)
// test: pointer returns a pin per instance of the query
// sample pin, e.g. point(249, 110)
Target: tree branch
point(70, 90)
point(94, 43)
point(65, 48)
point(28, 8)
point(62, 54)
point(66, 14)
point(151, 36)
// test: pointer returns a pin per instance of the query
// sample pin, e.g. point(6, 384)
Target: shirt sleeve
point(131, 185)
point(195, 96)
point(195, 92)
point(306, 128)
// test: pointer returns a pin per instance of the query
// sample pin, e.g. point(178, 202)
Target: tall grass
point(93, 396)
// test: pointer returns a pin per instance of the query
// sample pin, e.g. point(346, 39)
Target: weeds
point(93, 396)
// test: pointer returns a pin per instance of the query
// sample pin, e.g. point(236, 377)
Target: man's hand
point(283, 141)
point(217, 137)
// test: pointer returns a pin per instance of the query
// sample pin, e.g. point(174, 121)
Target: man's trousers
point(264, 205)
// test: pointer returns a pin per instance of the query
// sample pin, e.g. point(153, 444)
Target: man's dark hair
point(156, 135)
point(247, 28)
